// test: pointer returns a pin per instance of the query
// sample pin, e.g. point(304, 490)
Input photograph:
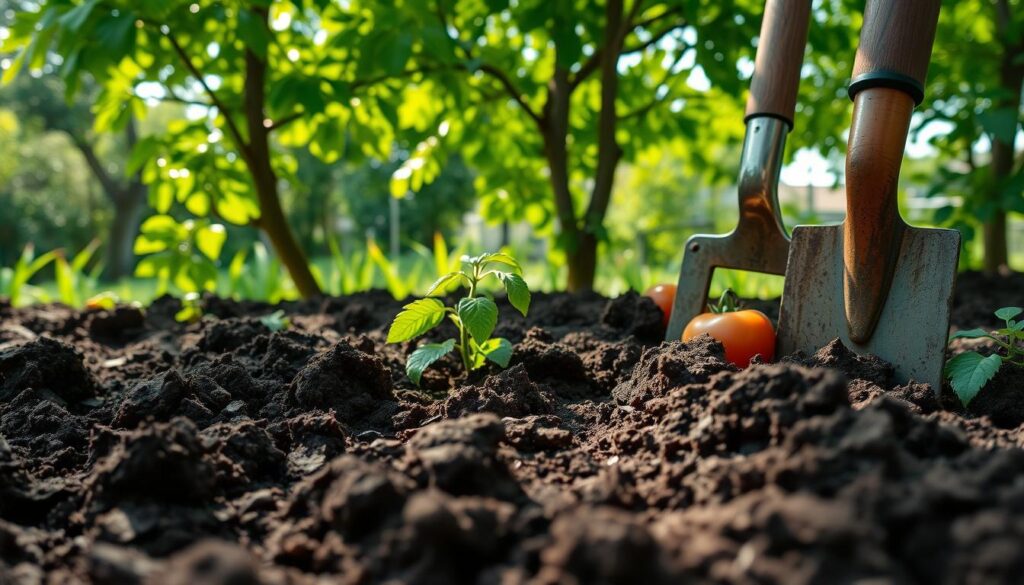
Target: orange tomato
point(663, 295)
point(744, 334)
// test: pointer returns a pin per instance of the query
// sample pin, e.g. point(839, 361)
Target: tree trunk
point(608, 152)
point(581, 250)
point(1011, 78)
point(996, 258)
point(555, 131)
point(128, 201)
point(129, 207)
point(272, 219)
point(583, 263)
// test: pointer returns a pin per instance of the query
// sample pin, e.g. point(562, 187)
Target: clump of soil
point(137, 450)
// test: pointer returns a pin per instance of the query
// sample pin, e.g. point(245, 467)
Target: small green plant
point(191, 308)
point(970, 371)
point(474, 316)
point(276, 321)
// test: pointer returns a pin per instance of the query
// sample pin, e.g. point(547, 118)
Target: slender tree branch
point(360, 83)
point(634, 10)
point(501, 76)
point(669, 73)
point(654, 19)
point(174, 99)
point(591, 65)
point(654, 38)
point(285, 121)
point(511, 89)
point(232, 127)
point(587, 69)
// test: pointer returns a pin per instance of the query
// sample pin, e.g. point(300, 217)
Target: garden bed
point(134, 447)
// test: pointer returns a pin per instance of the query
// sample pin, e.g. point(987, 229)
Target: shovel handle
point(895, 46)
point(888, 81)
point(780, 53)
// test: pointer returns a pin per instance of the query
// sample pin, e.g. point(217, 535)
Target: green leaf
point(969, 334)
point(144, 151)
point(1007, 313)
point(423, 357)
point(82, 258)
point(1001, 123)
point(210, 240)
point(417, 318)
point(479, 315)
point(498, 350)
point(76, 17)
point(443, 284)
point(517, 289)
point(501, 258)
point(969, 372)
point(161, 227)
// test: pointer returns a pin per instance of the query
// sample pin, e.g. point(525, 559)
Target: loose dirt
point(137, 450)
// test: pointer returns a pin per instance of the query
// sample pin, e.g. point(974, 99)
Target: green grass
point(257, 275)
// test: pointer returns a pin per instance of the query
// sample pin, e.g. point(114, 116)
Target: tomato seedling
point(970, 371)
point(743, 332)
point(663, 295)
point(474, 316)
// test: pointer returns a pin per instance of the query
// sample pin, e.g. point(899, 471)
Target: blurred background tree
point(47, 195)
point(39, 101)
point(973, 112)
point(610, 127)
point(546, 99)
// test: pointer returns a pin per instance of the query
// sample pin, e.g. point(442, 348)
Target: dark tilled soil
point(137, 450)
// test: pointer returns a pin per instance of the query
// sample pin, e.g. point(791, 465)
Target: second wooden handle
point(895, 46)
point(780, 54)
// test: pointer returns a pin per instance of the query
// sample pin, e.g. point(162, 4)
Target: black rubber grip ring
point(888, 79)
point(766, 115)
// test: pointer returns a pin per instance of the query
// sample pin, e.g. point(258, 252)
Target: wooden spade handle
point(895, 46)
point(780, 53)
point(889, 73)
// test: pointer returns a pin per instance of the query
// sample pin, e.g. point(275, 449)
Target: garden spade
point(759, 243)
point(880, 285)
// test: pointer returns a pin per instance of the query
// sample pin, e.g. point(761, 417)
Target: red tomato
point(743, 333)
point(663, 295)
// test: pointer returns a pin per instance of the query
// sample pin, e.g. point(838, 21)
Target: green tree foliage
point(309, 74)
point(546, 99)
point(437, 207)
point(48, 196)
point(39, 100)
point(974, 107)
point(324, 193)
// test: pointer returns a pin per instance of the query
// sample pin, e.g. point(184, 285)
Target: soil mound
point(137, 450)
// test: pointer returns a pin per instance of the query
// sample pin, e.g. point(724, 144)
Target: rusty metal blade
point(914, 323)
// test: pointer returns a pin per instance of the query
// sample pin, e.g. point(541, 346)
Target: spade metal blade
point(914, 323)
